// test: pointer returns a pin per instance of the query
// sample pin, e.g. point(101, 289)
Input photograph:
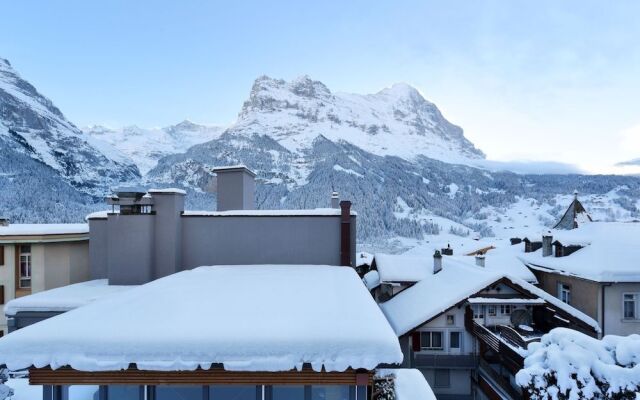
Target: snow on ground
point(65, 298)
point(409, 384)
point(578, 361)
point(320, 315)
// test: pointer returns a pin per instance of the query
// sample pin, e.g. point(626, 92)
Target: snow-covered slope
point(30, 124)
point(396, 121)
point(145, 147)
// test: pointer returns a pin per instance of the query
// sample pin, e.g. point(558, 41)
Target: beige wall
point(7, 279)
point(585, 295)
point(53, 265)
point(614, 323)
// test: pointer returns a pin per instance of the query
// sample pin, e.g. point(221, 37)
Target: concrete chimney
point(236, 188)
point(335, 200)
point(480, 260)
point(546, 245)
point(437, 262)
point(4, 221)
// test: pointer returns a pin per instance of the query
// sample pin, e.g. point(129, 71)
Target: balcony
point(446, 361)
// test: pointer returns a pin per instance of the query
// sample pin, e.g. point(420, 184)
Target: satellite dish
point(521, 317)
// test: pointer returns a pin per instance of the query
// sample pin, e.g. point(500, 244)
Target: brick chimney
point(236, 188)
point(437, 262)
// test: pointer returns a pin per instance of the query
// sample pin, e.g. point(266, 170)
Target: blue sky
point(544, 80)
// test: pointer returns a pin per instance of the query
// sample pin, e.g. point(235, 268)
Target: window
point(491, 311)
point(179, 392)
point(235, 392)
point(83, 392)
point(125, 392)
point(441, 378)
point(505, 309)
point(451, 319)
point(330, 392)
point(287, 392)
point(431, 340)
point(1, 255)
point(564, 293)
point(25, 267)
point(454, 340)
point(630, 305)
point(478, 311)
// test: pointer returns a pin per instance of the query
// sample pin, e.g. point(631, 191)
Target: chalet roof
point(247, 318)
point(575, 215)
point(457, 282)
point(610, 254)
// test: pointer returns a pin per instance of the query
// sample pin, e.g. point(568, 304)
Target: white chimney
point(480, 262)
point(437, 262)
point(335, 200)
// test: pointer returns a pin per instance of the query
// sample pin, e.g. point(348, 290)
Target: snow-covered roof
point(248, 318)
point(402, 268)
point(98, 215)
point(64, 298)
point(611, 252)
point(456, 282)
point(42, 229)
point(409, 384)
point(167, 190)
point(503, 258)
point(371, 279)
point(268, 213)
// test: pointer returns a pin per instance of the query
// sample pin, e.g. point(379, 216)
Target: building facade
point(38, 257)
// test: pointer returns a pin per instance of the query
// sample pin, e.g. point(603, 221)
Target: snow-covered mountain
point(396, 121)
point(31, 124)
point(408, 171)
point(145, 147)
point(383, 152)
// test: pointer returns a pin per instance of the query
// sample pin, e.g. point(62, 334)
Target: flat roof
point(43, 232)
point(247, 318)
point(64, 298)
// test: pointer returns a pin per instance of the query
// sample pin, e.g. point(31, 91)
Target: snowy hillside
point(30, 124)
point(145, 147)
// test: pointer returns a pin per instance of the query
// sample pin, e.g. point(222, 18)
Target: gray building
point(149, 235)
